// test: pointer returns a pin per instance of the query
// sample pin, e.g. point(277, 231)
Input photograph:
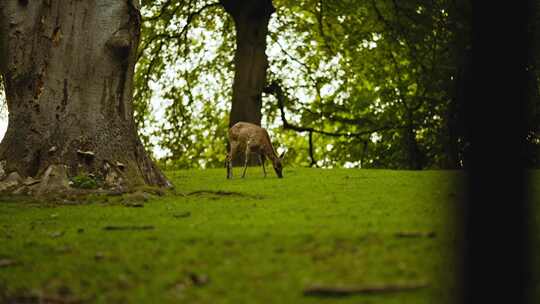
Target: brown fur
point(250, 138)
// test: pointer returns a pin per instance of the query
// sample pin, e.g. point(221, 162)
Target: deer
point(250, 138)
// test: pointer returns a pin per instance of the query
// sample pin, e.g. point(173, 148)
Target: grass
point(253, 240)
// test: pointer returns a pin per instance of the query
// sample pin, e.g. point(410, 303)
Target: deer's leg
point(229, 160)
point(227, 164)
point(247, 160)
point(262, 158)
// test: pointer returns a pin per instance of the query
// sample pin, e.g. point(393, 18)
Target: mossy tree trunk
point(68, 69)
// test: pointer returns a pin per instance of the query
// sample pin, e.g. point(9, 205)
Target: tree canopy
point(349, 83)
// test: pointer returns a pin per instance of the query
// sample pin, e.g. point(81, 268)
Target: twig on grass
point(182, 215)
point(341, 291)
point(413, 234)
point(128, 227)
point(216, 192)
point(223, 193)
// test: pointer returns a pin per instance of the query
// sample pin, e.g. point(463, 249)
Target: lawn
point(252, 240)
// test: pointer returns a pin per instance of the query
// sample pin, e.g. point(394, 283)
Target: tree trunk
point(454, 114)
point(251, 22)
point(413, 152)
point(68, 70)
point(251, 19)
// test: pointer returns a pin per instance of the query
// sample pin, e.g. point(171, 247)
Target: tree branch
point(275, 89)
point(320, 22)
point(183, 31)
point(162, 11)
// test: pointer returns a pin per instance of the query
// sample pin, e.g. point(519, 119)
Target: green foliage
point(84, 181)
point(385, 69)
point(256, 240)
point(373, 67)
point(185, 61)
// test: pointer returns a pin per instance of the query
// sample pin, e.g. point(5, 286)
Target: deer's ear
point(282, 154)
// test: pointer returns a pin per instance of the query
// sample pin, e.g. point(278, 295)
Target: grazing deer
point(250, 138)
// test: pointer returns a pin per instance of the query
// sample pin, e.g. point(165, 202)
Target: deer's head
point(278, 165)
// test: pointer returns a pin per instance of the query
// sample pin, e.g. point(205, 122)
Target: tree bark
point(251, 19)
point(413, 152)
point(68, 69)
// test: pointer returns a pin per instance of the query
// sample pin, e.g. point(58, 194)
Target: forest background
point(370, 84)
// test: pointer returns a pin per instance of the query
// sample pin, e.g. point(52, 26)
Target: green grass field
point(253, 240)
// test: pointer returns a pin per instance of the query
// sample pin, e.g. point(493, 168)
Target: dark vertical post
point(496, 255)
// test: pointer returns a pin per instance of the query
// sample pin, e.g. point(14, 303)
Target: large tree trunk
point(251, 22)
point(251, 19)
point(68, 70)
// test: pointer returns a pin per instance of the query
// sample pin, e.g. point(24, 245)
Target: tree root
point(55, 182)
point(221, 193)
